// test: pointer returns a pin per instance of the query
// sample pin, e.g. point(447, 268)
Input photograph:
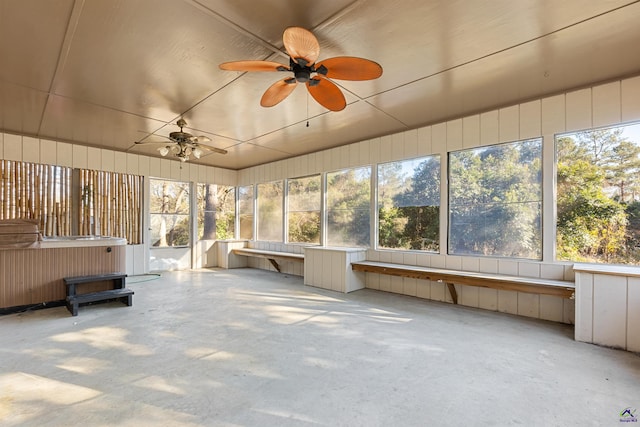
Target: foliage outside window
point(245, 211)
point(169, 212)
point(409, 204)
point(598, 196)
point(216, 212)
point(270, 198)
point(303, 211)
point(348, 207)
point(495, 200)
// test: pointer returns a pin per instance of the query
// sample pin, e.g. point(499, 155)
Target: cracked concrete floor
point(249, 347)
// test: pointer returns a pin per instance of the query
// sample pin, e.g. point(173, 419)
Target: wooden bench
point(532, 285)
point(119, 290)
point(272, 256)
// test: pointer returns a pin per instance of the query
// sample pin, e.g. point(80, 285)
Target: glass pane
point(245, 214)
point(409, 204)
point(348, 207)
point(169, 230)
point(216, 211)
point(170, 207)
point(270, 198)
point(495, 200)
point(304, 201)
point(598, 196)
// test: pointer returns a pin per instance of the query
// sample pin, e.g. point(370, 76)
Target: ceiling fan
point(303, 49)
point(184, 144)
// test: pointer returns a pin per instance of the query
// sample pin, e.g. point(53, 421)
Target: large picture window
point(169, 212)
point(303, 209)
point(270, 198)
point(495, 200)
point(409, 204)
point(348, 207)
point(216, 212)
point(598, 195)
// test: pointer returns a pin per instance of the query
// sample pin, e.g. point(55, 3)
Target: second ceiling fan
point(303, 49)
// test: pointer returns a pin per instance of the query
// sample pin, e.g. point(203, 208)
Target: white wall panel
point(439, 138)
point(454, 135)
point(530, 120)
point(49, 152)
point(94, 158)
point(155, 167)
point(120, 162)
point(529, 269)
point(411, 143)
point(397, 146)
point(80, 157)
point(471, 131)
point(508, 302)
point(489, 128)
point(551, 308)
point(107, 159)
point(606, 104)
point(553, 115)
point(578, 110)
point(386, 152)
point(65, 154)
point(133, 164)
point(509, 124)
point(630, 99)
point(30, 149)
point(423, 289)
point(1, 145)
point(528, 305)
point(12, 147)
point(633, 314)
point(354, 155)
point(165, 169)
point(488, 299)
point(424, 141)
point(610, 310)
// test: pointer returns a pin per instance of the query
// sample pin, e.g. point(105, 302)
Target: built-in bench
point(559, 288)
point(119, 290)
point(272, 256)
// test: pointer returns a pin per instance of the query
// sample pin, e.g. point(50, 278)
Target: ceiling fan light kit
point(303, 50)
point(183, 144)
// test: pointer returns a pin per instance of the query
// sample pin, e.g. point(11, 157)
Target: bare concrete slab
point(248, 347)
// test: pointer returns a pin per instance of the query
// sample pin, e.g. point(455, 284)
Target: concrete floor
point(254, 348)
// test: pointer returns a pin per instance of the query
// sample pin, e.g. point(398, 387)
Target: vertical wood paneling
point(386, 152)
point(578, 110)
point(411, 143)
point(584, 307)
point(48, 152)
point(133, 164)
point(94, 158)
point(165, 169)
point(107, 159)
point(606, 104)
point(64, 154)
point(397, 146)
point(454, 135)
point(551, 308)
point(439, 138)
point(33, 276)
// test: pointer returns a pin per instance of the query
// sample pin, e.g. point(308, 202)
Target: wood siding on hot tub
point(34, 276)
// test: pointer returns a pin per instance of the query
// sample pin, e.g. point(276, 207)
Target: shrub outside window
point(216, 212)
point(495, 200)
point(245, 211)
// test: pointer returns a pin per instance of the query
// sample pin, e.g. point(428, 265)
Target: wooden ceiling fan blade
point(253, 66)
point(213, 149)
point(301, 43)
point(278, 92)
point(350, 68)
point(326, 93)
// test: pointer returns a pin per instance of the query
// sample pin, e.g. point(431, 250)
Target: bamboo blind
point(35, 191)
point(111, 205)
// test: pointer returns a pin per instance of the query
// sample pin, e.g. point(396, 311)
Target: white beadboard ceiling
point(106, 73)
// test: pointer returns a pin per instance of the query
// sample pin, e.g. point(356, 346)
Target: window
point(349, 207)
point(495, 200)
point(598, 195)
point(245, 211)
point(169, 211)
point(303, 212)
point(216, 212)
point(270, 198)
point(409, 204)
